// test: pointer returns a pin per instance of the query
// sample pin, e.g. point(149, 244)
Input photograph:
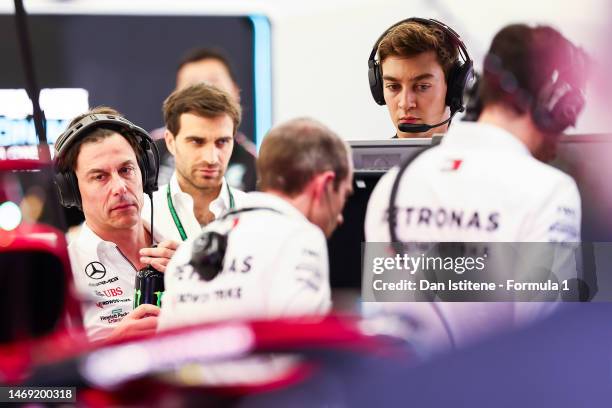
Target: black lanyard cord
point(151, 201)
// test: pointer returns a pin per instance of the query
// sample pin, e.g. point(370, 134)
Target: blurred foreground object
point(36, 297)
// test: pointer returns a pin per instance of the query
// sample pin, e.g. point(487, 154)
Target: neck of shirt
point(129, 241)
point(202, 198)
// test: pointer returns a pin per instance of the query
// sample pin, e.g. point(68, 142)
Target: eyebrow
point(93, 171)
point(416, 78)
point(193, 137)
point(128, 161)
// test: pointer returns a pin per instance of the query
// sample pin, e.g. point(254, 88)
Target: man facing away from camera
point(275, 261)
point(486, 181)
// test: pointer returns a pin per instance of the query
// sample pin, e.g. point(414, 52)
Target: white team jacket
point(276, 265)
point(183, 205)
point(480, 184)
point(104, 279)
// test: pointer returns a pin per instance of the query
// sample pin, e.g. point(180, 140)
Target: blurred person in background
point(212, 67)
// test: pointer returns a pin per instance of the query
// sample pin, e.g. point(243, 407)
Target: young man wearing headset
point(201, 122)
point(419, 68)
point(486, 181)
point(104, 165)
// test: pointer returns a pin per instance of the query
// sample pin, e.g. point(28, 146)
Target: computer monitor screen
point(128, 62)
point(372, 159)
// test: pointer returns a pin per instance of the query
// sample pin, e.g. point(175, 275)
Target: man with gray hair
point(268, 258)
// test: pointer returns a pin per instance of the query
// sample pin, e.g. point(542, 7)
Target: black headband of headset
point(452, 34)
point(65, 140)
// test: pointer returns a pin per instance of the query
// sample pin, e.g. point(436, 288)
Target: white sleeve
point(376, 224)
point(558, 215)
point(299, 278)
point(557, 219)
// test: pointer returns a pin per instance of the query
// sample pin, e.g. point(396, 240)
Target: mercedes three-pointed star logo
point(95, 270)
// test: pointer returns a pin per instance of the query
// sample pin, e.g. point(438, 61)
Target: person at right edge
point(491, 176)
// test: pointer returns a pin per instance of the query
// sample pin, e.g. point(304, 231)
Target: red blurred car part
point(37, 298)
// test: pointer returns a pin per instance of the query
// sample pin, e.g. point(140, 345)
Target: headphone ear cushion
point(68, 189)
point(208, 254)
point(149, 165)
point(376, 83)
point(144, 170)
point(148, 161)
point(150, 173)
point(74, 185)
point(557, 107)
point(567, 108)
point(457, 82)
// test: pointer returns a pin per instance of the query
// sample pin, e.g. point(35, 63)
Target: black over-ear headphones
point(457, 78)
point(559, 101)
point(148, 159)
point(208, 250)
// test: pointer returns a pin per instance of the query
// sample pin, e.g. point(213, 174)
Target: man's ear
point(170, 140)
point(322, 183)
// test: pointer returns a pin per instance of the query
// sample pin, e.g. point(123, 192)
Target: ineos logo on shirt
point(95, 270)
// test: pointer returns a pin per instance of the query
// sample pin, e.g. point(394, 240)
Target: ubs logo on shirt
point(112, 292)
point(95, 270)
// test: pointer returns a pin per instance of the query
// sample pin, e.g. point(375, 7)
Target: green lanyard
point(177, 220)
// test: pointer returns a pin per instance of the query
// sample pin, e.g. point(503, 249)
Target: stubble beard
point(201, 184)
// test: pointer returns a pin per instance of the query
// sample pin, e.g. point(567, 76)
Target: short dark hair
point(200, 99)
point(68, 159)
point(296, 151)
point(413, 38)
point(520, 61)
point(200, 54)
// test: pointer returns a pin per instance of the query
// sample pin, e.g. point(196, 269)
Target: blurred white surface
point(320, 47)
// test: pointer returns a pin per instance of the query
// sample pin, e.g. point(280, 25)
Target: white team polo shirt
point(164, 223)
point(481, 184)
point(275, 265)
point(104, 279)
